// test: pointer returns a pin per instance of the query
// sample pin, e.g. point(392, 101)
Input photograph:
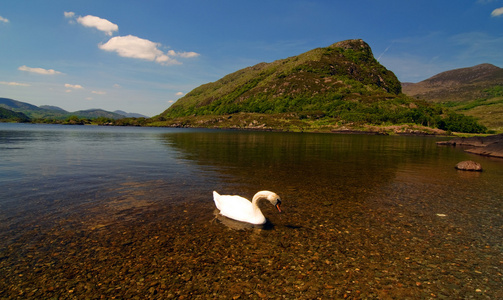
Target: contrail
point(385, 50)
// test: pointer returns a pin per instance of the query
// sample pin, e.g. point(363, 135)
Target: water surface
point(91, 211)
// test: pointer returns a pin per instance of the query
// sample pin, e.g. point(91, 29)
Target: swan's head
point(275, 200)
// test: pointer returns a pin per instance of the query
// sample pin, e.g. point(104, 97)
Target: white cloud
point(2, 19)
point(179, 94)
point(11, 83)
point(497, 12)
point(117, 86)
point(39, 70)
point(183, 54)
point(99, 92)
point(188, 54)
point(96, 22)
point(69, 14)
point(73, 86)
point(130, 46)
point(135, 47)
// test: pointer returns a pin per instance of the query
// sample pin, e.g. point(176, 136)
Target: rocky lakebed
point(130, 247)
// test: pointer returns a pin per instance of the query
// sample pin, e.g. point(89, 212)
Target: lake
point(91, 212)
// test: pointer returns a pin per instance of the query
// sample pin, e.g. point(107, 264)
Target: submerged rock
point(469, 165)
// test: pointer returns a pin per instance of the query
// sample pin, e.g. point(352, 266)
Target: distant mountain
point(7, 115)
point(96, 113)
point(54, 112)
point(476, 91)
point(50, 107)
point(323, 79)
point(13, 105)
point(130, 115)
point(32, 111)
point(457, 85)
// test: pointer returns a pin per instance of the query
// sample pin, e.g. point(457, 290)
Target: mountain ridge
point(129, 114)
point(54, 112)
point(456, 85)
point(474, 91)
point(292, 84)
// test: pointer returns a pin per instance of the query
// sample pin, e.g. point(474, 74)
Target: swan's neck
point(259, 196)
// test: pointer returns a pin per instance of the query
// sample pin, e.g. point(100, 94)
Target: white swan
point(241, 209)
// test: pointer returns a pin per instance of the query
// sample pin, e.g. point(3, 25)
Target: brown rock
point(488, 146)
point(469, 165)
point(475, 141)
point(494, 149)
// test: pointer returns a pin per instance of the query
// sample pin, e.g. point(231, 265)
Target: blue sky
point(141, 56)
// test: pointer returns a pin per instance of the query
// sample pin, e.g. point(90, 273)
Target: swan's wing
point(234, 204)
point(239, 208)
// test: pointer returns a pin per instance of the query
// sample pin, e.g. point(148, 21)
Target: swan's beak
point(277, 206)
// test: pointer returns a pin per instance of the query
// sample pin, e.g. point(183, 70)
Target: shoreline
point(287, 123)
point(491, 146)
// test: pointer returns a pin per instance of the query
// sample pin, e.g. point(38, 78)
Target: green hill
point(337, 87)
point(7, 115)
point(52, 112)
point(29, 110)
point(475, 91)
point(322, 79)
point(96, 113)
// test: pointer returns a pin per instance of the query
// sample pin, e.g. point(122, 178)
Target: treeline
point(102, 121)
point(7, 115)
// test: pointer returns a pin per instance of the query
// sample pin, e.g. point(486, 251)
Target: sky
point(141, 56)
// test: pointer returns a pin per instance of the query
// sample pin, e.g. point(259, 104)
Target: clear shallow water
point(90, 211)
point(47, 167)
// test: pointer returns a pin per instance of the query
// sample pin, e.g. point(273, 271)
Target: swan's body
point(241, 209)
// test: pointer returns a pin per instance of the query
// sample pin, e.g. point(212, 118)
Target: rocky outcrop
point(494, 149)
point(489, 146)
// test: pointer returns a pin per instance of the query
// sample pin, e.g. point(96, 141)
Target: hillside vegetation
point(336, 87)
point(7, 115)
point(476, 91)
point(324, 79)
